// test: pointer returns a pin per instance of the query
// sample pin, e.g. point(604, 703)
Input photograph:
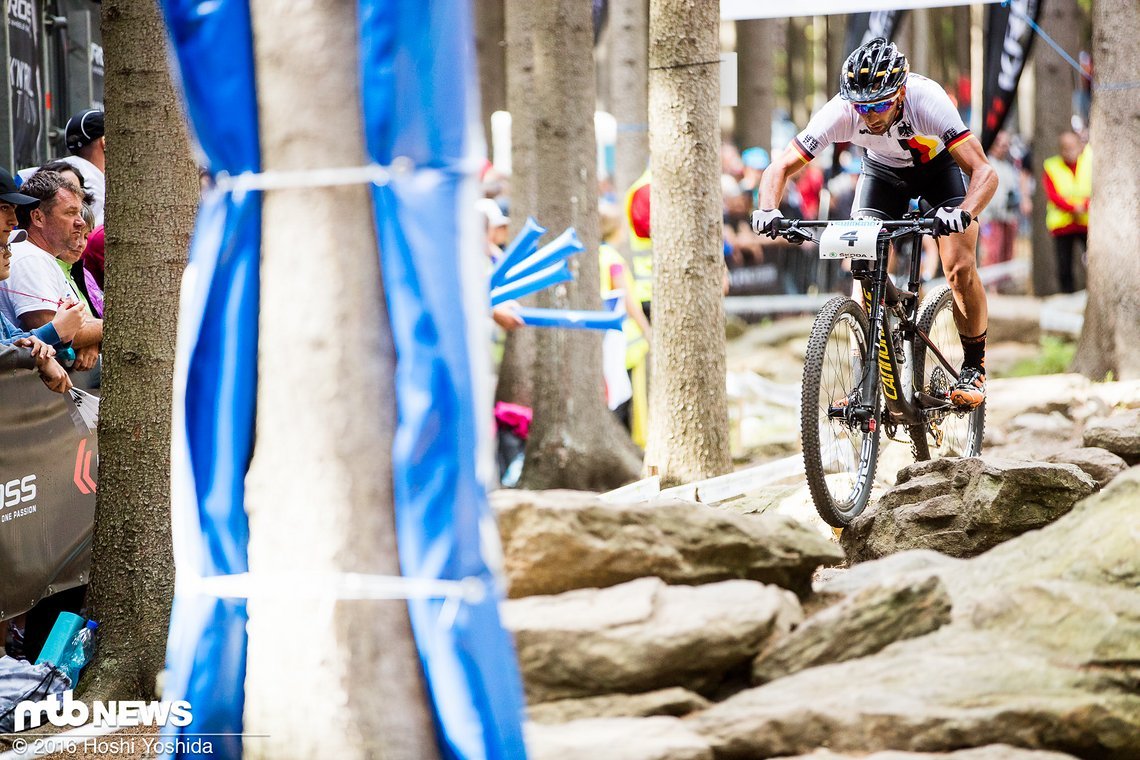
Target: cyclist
point(916, 146)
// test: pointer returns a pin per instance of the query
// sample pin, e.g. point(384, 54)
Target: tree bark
point(836, 49)
point(755, 44)
point(629, 67)
point(490, 50)
point(1111, 334)
point(325, 678)
point(516, 383)
point(795, 55)
point(918, 20)
point(574, 441)
point(151, 199)
point(1053, 114)
point(688, 417)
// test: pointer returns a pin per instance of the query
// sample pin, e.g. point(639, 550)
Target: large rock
point(962, 507)
point(952, 688)
point(1042, 652)
point(988, 752)
point(660, 738)
point(1099, 464)
point(672, 701)
point(860, 625)
point(643, 635)
point(556, 541)
point(1119, 434)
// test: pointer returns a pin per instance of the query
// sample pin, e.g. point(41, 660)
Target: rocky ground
point(983, 609)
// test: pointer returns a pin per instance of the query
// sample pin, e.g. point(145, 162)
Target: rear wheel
point(839, 454)
point(946, 433)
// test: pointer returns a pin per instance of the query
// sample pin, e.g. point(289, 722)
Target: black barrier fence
point(48, 469)
point(788, 270)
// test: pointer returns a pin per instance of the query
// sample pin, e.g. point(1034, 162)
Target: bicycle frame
point(894, 379)
point(903, 402)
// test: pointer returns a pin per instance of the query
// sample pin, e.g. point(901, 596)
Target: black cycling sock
point(974, 350)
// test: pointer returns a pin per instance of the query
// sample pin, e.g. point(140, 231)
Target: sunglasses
point(881, 107)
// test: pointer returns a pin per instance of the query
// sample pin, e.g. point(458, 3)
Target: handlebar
point(798, 230)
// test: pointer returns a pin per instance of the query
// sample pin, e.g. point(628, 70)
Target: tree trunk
point(795, 56)
point(1111, 333)
point(918, 47)
point(1053, 114)
point(151, 199)
point(688, 413)
point(325, 679)
point(629, 67)
point(604, 52)
point(516, 383)
point(836, 49)
point(574, 441)
point(490, 49)
point(755, 44)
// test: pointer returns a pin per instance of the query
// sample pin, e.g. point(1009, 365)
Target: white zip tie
point(373, 174)
point(333, 587)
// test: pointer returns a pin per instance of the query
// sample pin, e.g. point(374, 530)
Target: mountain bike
point(888, 364)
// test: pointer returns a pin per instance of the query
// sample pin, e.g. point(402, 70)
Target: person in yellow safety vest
point(615, 275)
point(1068, 184)
point(640, 242)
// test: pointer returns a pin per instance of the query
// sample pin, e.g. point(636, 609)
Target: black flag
point(864, 27)
point(1009, 38)
point(25, 59)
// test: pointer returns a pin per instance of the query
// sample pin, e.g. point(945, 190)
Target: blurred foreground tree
point(688, 410)
point(320, 482)
point(1110, 340)
point(152, 195)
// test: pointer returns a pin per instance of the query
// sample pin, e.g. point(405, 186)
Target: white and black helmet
point(875, 71)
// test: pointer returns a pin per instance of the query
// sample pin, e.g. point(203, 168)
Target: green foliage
point(1055, 357)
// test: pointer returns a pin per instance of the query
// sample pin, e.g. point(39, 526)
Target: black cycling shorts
point(885, 192)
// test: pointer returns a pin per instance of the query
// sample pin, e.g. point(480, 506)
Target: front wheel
point(840, 452)
point(947, 433)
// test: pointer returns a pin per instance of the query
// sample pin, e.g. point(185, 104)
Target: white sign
point(851, 239)
point(734, 10)
point(728, 79)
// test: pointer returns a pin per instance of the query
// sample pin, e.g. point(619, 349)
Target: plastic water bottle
point(79, 652)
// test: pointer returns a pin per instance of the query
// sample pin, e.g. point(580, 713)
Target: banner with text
point(864, 27)
point(1009, 38)
point(48, 468)
point(25, 82)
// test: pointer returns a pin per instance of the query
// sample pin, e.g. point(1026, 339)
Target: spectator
point(755, 160)
point(739, 241)
point(495, 230)
point(1000, 219)
point(1068, 184)
point(87, 145)
point(19, 348)
point(629, 349)
point(41, 265)
point(637, 217)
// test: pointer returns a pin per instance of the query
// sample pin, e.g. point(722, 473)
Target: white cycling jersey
point(927, 125)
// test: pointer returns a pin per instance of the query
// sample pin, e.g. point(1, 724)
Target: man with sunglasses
point(916, 147)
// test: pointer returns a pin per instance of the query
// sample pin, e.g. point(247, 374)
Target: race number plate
point(851, 239)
